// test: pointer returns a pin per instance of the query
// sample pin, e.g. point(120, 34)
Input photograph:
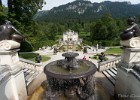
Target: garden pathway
point(91, 52)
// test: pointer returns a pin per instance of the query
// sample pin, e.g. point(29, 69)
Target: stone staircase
point(30, 69)
point(111, 74)
point(29, 75)
point(108, 68)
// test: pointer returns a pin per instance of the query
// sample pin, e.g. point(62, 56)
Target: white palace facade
point(70, 37)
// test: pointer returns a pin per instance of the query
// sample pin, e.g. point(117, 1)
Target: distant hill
point(85, 10)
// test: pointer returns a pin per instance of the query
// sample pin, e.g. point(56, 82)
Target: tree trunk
point(0, 5)
point(10, 6)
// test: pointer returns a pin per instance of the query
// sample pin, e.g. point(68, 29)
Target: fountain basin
point(86, 68)
point(72, 78)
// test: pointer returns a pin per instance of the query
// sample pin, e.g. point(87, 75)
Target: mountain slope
point(85, 10)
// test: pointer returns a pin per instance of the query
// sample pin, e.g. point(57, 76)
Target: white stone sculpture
point(8, 45)
point(133, 42)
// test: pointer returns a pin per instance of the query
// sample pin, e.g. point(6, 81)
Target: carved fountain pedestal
point(70, 78)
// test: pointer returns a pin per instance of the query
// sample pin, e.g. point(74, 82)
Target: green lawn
point(117, 51)
point(96, 57)
point(31, 56)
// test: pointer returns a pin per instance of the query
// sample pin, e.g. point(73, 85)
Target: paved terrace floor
point(104, 90)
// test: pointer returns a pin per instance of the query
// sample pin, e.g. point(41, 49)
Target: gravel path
point(49, 52)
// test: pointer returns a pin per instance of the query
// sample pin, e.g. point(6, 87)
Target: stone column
point(9, 58)
point(12, 81)
point(127, 86)
point(130, 55)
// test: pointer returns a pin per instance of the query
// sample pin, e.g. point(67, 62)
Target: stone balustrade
point(31, 65)
point(108, 64)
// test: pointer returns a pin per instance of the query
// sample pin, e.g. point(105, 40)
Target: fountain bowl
point(70, 77)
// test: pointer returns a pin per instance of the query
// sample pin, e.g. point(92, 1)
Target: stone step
point(114, 68)
point(113, 71)
point(25, 69)
point(30, 79)
point(29, 75)
point(110, 78)
point(111, 74)
point(27, 72)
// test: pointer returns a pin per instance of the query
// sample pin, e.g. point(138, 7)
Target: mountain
point(85, 10)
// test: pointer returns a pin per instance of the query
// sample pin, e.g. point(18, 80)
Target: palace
point(70, 37)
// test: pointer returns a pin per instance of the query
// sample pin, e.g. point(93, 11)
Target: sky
point(54, 3)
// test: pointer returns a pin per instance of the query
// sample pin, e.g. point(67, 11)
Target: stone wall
point(127, 85)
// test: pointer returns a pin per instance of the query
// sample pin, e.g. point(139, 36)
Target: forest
point(105, 30)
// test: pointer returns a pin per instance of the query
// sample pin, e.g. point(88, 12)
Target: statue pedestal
point(12, 81)
point(130, 55)
point(9, 58)
point(9, 53)
point(8, 45)
point(133, 42)
point(127, 84)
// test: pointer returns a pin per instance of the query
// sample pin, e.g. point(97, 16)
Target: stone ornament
point(8, 45)
point(133, 42)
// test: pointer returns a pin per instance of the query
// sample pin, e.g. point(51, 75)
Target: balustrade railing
point(31, 65)
point(108, 64)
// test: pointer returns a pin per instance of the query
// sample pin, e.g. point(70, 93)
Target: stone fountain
point(70, 78)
